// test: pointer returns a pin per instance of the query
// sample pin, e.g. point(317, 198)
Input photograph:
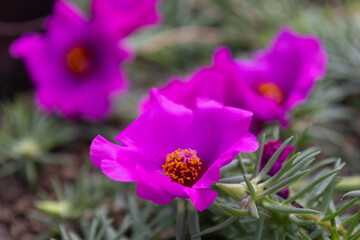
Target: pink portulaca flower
point(269, 150)
point(173, 151)
point(74, 66)
point(273, 83)
point(121, 17)
point(282, 76)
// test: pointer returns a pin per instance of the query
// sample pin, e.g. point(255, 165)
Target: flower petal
point(150, 187)
point(118, 162)
point(248, 143)
point(65, 14)
point(160, 130)
point(217, 128)
point(117, 172)
point(125, 16)
point(101, 149)
point(202, 198)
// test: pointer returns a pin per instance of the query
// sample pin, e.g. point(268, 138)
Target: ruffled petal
point(101, 149)
point(118, 162)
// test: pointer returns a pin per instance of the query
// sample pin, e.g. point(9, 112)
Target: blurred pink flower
point(282, 76)
point(75, 66)
point(173, 151)
point(121, 17)
point(269, 150)
point(276, 80)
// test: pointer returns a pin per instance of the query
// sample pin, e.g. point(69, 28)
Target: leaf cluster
point(309, 212)
point(140, 222)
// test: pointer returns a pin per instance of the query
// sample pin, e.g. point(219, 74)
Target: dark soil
point(15, 208)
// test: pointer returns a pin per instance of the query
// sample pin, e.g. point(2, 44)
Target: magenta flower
point(269, 150)
point(74, 66)
point(121, 17)
point(273, 83)
point(173, 151)
point(283, 75)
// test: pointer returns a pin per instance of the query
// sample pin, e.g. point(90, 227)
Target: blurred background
point(190, 31)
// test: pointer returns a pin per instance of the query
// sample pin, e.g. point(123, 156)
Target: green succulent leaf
point(288, 210)
point(352, 194)
point(232, 211)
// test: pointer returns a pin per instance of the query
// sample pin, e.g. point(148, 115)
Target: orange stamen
point(78, 60)
point(183, 166)
point(272, 91)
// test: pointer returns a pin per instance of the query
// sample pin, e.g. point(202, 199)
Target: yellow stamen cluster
point(272, 91)
point(77, 59)
point(183, 166)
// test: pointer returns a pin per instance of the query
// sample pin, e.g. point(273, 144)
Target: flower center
point(183, 166)
point(78, 59)
point(272, 91)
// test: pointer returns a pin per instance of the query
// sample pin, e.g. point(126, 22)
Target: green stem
point(180, 218)
point(193, 220)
